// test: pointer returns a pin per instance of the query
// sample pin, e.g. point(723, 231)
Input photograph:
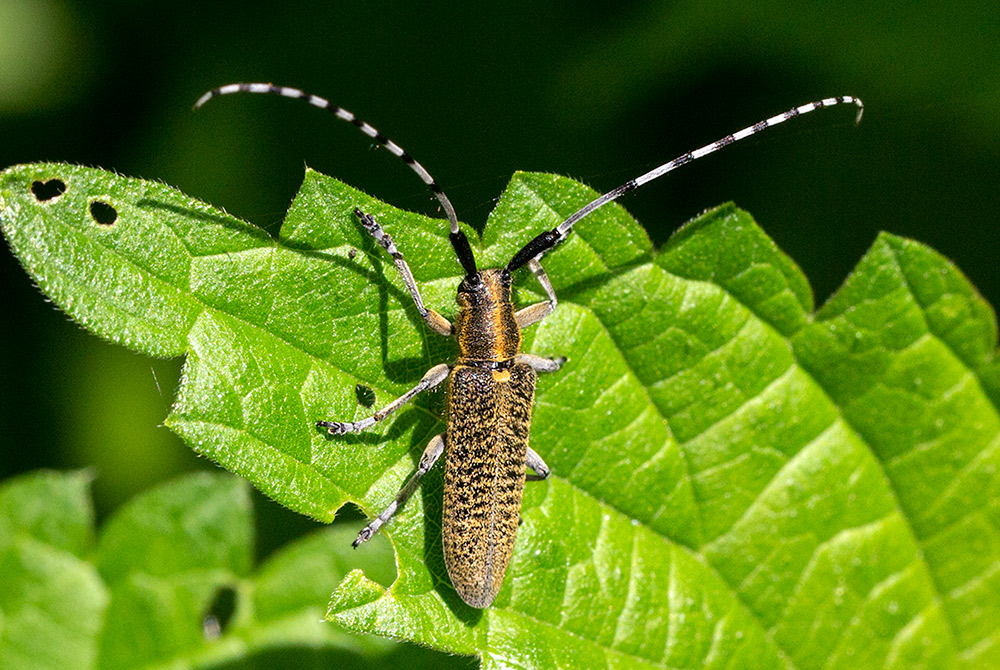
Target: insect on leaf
point(737, 480)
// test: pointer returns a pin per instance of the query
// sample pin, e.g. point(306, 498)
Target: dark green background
point(597, 91)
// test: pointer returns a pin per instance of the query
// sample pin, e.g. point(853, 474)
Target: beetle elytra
point(492, 383)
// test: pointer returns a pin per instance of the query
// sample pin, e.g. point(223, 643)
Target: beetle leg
point(427, 461)
point(438, 323)
point(535, 313)
point(432, 378)
point(540, 363)
point(536, 463)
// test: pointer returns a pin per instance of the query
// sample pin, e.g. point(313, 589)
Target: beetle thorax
point(485, 325)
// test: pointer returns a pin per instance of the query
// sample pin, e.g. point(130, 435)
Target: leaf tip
point(356, 590)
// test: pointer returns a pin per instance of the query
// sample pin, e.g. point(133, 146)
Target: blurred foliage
point(477, 92)
point(170, 581)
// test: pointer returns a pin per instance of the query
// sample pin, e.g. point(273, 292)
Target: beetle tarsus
point(365, 535)
point(335, 427)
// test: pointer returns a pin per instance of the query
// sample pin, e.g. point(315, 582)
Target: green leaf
point(48, 507)
point(738, 482)
point(162, 565)
point(198, 523)
point(46, 525)
point(175, 551)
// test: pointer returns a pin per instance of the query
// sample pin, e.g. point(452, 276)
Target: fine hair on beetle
point(492, 383)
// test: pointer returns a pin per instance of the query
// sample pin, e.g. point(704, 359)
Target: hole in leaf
point(366, 396)
point(47, 190)
point(217, 617)
point(103, 213)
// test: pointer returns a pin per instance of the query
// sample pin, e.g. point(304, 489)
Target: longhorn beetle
point(492, 383)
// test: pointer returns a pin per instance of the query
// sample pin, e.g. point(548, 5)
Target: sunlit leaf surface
point(737, 480)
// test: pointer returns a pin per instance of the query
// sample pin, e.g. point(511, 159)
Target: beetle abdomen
point(485, 447)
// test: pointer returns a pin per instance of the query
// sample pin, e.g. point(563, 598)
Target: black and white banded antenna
point(546, 241)
point(550, 238)
point(457, 237)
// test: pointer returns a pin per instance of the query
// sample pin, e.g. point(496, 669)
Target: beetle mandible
point(492, 384)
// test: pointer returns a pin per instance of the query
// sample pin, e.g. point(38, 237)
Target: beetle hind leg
point(536, 463)
point(430, 456)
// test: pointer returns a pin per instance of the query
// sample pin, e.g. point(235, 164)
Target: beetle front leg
point(430, 456)
point(438, 323)
point(432, 378)
point(534, 313)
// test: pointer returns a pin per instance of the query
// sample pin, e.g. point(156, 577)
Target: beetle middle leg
point(430, 456)
point(431, 378)
point(541, 363)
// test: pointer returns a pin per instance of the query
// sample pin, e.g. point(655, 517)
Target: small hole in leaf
point(103, 213)
point(46, 190)
point(366, 396)
point(219, 613)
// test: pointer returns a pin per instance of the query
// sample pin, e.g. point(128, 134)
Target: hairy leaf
point(737, 480)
